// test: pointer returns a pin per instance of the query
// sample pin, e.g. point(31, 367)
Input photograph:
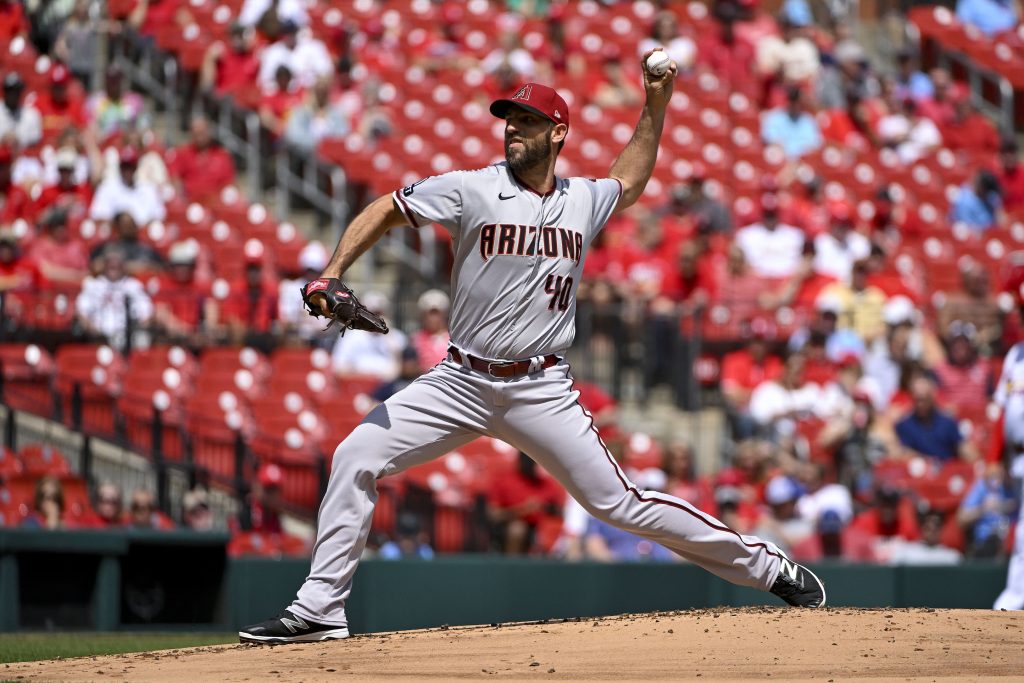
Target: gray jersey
point(518, 255)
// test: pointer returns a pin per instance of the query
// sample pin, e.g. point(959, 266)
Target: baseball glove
point(343, 308)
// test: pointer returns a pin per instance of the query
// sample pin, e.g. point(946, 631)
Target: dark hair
point(39, 492)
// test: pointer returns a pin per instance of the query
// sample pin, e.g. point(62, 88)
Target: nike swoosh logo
point(503, 197)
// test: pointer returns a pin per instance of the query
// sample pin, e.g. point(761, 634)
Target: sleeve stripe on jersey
point(405, 208)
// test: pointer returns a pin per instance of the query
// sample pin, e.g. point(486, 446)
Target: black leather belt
point(501, 368)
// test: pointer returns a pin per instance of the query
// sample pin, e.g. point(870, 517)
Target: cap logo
point(558, 115)
point(523, 93)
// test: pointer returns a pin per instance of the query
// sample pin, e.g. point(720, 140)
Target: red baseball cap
point(540, 99)
point(59, 75)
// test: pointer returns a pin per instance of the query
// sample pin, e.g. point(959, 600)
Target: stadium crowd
point(833, 230)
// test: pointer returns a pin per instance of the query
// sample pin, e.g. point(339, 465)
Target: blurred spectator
point(804, 205)
point(606, 543)
point(928, 431)
point(57, 108)
point(849, 71)
point(789, 57)
point(12, 20)
point(836, 250)
point(15, 203)
point(442, 48)
point(862, 305)
point(509, 54)
point(142, 512)
point(108, 504)
point(978, 203)
point(250, 310)
point(969, 130)
point(940, 107)
point(725, 55)
point(271, 15)
point(231, 67)
point(973, 303)
point(113, 110)
point(746, 369)
point(1010, 175)
point(181, 300)
point(988, 16)
point(681, 478)
point(692, 202)
point(910, 133)
point(366, 353)
point(17, 273)
point(776, 404)
point(138, 256)
point(48, 505)
point(987, 512)
point(151, 169)
point(900, 345)
point(518, 502)
point(202, 167)
point(77, 44)
point(792, 127)
point(431, 340)
point(738, 288)
point(305, 57)
point(964, 378)
point(61, 257)
point(67, 195)
point(855, 442)
point(375, 117)
point(929, 550)
point(782, 525)
point(21, 124)
point(291, 311)
point(410, 543)
point(910, 80)
point(316, 118)
point(265, 502)
point(125, 194)
point(408, 371)
point(612, 88)
point(109, 301)
point(278, 101)
point(196, 513)
point(771, 247)
point(891, 516)
point(602, 408)
point(665, 34)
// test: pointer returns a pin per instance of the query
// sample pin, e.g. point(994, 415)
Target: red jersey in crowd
point(903, 524)
point(1012, 182)
point(964, 388)
point(184, 300)
point(731, 62)
point(203, 172)
point(741, 369)
point(12, 20)
point(975, 134)
point(255, 309)
point(20, 275)
point(514, 489)
point(75, 200)
point(14, 204)
point(431, 349)
point(58, 116)
point(236, 71)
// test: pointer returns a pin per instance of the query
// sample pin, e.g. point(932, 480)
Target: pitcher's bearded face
point(527, 139)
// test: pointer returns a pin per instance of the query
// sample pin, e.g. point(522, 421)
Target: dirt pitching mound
point(716, 644)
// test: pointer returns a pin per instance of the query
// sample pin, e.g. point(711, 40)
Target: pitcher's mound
point(712, 645)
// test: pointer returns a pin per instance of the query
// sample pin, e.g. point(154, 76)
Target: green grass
point(27, 647)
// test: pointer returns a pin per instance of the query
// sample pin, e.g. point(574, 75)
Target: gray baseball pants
point(452, 405)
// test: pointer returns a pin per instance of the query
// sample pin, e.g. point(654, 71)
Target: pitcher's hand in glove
point(328, 297)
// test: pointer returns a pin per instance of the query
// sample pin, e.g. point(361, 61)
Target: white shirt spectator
point(142, 201)
point(106, 305)
point(798, 59)
point(681, 49)
point(519, 59)
point(771, 253)
point(26, 127)
point(307, 62)
point(287, 10)
point(836, 258)
point(771, 401)
point(367, 353)
point(829, 498)
point(913, 138)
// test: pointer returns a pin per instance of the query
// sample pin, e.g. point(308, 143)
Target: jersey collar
point(524, 186)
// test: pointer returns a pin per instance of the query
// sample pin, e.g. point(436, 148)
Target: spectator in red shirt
point(601, 407)
point(279, 100)
point(57, 106)
point(66, 195)
point(939, 107)
point(431, 340)
point(681, 478)
point(48, 505)
point(968, 129)
point(182, 303)
point(250, 311)
point(611, 88)
point(743, 370)
point(12, 20)
point(964, 378)
point(202, 167)
point(893, 516)
point(1010, 175)
point(726, 56)
point(739, 288)
point(230, 68)
point(62, 258)
point(14, 201)
point(108, 505)
point(142, 513)
point(263, 512)
point(519, 501)
point(17, 273)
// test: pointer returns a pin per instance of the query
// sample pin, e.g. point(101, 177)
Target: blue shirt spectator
point(989, 505)
point(989, 16)
point(792, 127)
point(928, 430)
point(611, 544)
point(977, 203)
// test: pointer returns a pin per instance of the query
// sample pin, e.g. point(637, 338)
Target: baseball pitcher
point(520, 236)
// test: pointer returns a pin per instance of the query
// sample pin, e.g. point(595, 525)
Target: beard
point(532, 153)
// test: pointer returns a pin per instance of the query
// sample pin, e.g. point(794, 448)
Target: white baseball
point(658, 62)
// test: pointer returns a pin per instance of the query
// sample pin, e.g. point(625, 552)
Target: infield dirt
point(707, 644)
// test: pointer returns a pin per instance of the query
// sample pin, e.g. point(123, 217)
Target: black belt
point(501, 368)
